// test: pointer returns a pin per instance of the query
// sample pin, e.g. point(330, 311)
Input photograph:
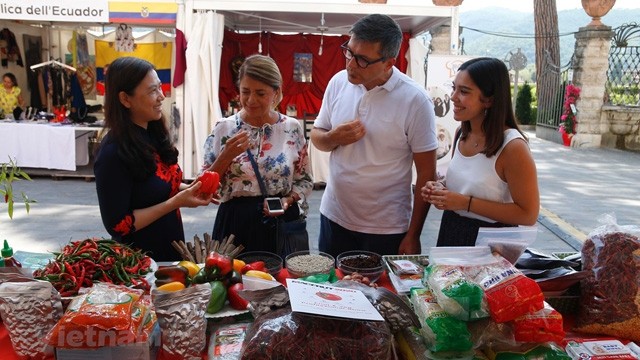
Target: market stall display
point(467, 302)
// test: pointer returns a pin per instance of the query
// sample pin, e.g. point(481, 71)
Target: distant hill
point(517, 30)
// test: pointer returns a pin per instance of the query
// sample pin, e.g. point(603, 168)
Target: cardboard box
point(143, 351)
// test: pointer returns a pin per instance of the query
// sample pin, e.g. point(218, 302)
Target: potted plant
point(568, 120)
point(8, 174)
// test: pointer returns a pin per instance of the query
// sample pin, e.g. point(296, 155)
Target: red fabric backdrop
point(305, 96)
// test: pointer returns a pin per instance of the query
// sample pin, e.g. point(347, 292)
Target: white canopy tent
point(203, 22)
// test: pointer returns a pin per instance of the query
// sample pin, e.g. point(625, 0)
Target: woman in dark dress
point(138, 179)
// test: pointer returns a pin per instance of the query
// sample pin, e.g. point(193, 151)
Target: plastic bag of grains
point(610, 296)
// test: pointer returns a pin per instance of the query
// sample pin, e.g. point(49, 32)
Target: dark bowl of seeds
point(365, 263)
point(272, 262)
point(308, 262)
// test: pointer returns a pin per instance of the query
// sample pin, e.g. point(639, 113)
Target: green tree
point(523, 105)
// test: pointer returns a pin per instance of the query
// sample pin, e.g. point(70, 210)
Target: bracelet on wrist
point(469, 204)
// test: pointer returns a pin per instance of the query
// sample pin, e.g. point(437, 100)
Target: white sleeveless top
point(476, 176)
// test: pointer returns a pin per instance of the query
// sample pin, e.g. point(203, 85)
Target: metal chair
point(308, 119)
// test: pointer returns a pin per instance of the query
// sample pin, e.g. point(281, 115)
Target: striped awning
point(147, 13)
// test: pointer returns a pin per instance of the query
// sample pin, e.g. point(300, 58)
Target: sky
point(527, 5)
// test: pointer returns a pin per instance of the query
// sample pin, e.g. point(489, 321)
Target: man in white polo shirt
point(376, 122)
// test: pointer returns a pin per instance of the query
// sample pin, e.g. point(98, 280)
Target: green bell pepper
point(218, 297)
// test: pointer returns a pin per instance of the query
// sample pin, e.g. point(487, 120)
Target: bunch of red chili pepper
point(81, 263)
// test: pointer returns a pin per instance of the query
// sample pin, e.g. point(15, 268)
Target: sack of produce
point(107, 315)
point(182, 322)
point(283, 334)
point(509, 293)
point(610, 295)
point(29, 309)
point(540, 326)
point(279, 333)
point(441, 331)
point(458, 295)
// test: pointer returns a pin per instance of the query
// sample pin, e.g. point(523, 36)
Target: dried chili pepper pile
point(83, 262)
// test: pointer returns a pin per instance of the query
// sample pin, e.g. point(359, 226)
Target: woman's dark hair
point(492, 77)
point(11, 77)
point(125, 74)
point(377, 28)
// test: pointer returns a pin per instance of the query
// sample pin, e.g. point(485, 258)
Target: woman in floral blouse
point(278, 146)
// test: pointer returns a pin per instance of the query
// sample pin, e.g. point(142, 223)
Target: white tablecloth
point(44, 146)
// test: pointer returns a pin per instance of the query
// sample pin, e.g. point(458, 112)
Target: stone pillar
point(590, 75)
point(441, 40)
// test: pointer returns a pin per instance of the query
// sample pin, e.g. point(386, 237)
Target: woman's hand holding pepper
point(192, 197)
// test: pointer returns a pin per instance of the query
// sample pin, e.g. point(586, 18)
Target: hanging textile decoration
point(79, 57)
point(159, 54)
point(33, 55)
point(124, 38)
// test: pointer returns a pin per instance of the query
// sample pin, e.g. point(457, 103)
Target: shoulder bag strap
point(263, 188)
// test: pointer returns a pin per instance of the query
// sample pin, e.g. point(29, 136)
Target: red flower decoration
point(125, 226)
point(568, 118)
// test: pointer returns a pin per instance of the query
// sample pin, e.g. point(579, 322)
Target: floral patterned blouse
point(280, 150)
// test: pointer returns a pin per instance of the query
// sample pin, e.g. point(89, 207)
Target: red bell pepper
point(235, 300)
point(210, 182)
point(223, 263)
point(256, 265)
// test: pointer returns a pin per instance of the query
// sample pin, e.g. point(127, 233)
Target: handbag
point(291, 235)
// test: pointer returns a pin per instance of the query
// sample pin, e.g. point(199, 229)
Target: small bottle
point(7, 255)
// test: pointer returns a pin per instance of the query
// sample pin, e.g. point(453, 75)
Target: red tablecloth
point(5, 344)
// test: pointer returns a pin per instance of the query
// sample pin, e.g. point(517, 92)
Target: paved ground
point(577, 186)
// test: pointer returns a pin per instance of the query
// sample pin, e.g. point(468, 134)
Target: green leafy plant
point(10, 172)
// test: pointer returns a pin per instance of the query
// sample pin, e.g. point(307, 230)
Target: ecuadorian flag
point(150, 13)
point(159, 54)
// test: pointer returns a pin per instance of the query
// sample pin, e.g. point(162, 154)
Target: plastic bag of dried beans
point(610, 295)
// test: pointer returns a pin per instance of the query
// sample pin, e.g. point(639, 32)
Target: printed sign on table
point(320, 299)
